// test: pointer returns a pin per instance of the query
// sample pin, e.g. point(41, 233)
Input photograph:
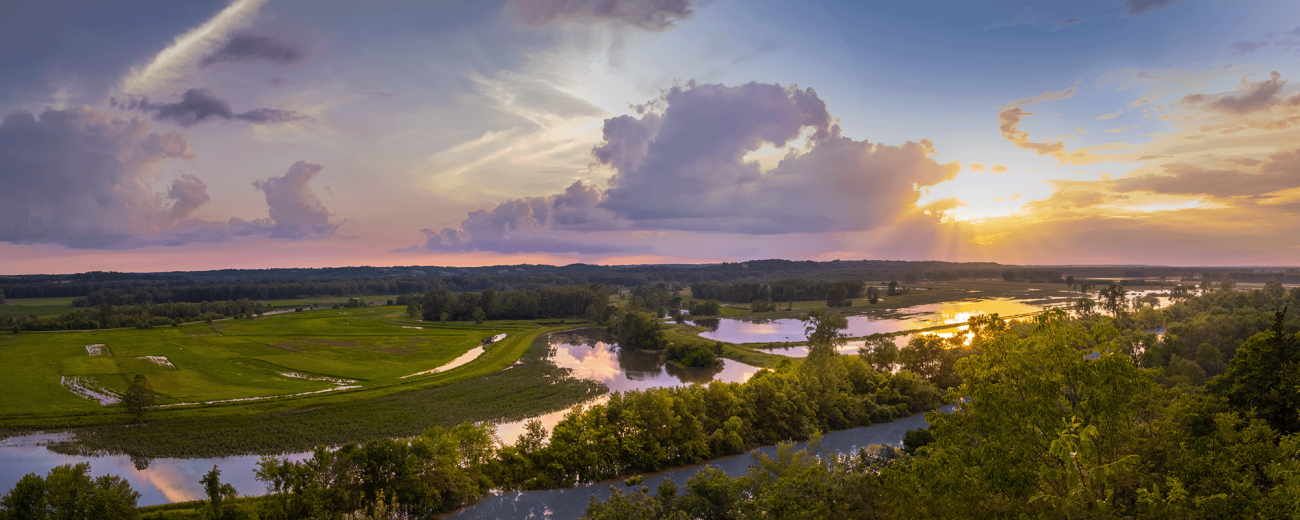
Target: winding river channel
point(589, 354)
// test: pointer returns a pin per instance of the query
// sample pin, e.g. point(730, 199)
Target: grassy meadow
point(14, 307)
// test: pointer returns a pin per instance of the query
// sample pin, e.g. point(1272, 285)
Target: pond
point(572, 502)
point(589, 353)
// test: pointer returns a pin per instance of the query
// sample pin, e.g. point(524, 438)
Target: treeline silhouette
point(782, 291)
point(144, 316)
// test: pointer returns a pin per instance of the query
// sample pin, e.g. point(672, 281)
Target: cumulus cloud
point(654, 15)
point(1141, 7)
point(976, 167)
point(295, 209)
point(189, 192)
point(998, 168)
point(80, 179)
point(244, 48)
point(77, 178)
point(682, 166)
point(199, 104)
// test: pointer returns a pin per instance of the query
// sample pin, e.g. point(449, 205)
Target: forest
point(275, 284)
point(1085, 413)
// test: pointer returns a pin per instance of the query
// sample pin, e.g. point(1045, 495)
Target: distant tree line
point(782, 291)
point(144, 316)
point(545, 302)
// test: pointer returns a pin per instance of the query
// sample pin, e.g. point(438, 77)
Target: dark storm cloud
point(654, 15)
point(242, 48)
point(685, 168)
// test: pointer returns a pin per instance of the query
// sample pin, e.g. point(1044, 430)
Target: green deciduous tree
point(139, 397)
point(69, 492)
point(1264, 375)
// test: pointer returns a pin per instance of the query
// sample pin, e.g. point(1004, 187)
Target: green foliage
point(705, 308)
point(1113, 300)
point(762, 306)
point(69, 492)
point(880, 352)
point(638, 330)
point(543, 302)
point(934, 358)
point(1265, 376)
point(782, 291)
point(695, 354)
point(838, 297)
point(1042, 430)
point(793, 484)
point(138, 397)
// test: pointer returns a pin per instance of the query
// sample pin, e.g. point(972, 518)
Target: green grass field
point(283, 362)
point(232, 359)
point(14, 307)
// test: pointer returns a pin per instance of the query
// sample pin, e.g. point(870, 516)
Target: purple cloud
point(243, 48)
point(684, 168)
point(295, 209)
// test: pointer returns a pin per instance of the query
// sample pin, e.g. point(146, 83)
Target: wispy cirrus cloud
point(188, 48)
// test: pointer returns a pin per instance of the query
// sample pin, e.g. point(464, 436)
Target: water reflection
point(572, 502)
point(910, 318)
point(159, 481)
point(593, 354)
point(590, 354)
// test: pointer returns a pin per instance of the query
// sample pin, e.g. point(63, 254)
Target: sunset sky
point(165, 135)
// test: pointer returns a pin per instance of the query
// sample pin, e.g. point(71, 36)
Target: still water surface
point(590, 354)
point(572, 502)
point(909, 318)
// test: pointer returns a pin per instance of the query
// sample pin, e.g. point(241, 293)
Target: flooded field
point(910, 318)
point(590, 354)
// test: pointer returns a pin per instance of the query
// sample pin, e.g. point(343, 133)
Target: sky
point(157, 135)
